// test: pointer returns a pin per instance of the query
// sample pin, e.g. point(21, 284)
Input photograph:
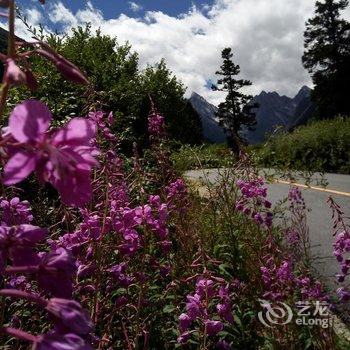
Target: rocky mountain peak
point(212, 131)
point(275, 111)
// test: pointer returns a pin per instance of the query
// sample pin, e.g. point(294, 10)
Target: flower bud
point(14, 75)
point(70, 316)
point(66, 68)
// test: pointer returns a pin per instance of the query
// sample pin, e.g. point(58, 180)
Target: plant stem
point(11, 51)
point(14, 293)
point(19, 334)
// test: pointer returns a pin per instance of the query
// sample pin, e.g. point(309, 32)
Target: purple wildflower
point(224, 311)
point(17, 242)
point(56, 271)
point(119, 273)
point(204, 288)
point(13, 74)
point(69, 316)
point(213, 327)
point(343, 294)
point(185, 322)
point(156, 125)
point(103, 123)
point(15, 212)
point(184, 337)
point(193, 306)
point(284, 272)
point(63, 158)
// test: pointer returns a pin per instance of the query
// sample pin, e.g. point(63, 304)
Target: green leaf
point(169, 309)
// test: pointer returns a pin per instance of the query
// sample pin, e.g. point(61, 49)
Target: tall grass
point(321, 146)
point(204, 156)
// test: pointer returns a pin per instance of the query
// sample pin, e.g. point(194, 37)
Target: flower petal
point(14, 75)
point(75, 190)
point(78, 132)
point(19, 166)
point(29, 120)
point(31, 233)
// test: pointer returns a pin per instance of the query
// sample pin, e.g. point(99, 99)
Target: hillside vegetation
point(116, 84)
point(320, 146)
point(205, 156)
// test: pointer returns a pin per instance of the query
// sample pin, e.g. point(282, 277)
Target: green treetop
point(236, 111)
point(327, 58)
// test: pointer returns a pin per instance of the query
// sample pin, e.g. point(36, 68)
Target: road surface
point(319, 217)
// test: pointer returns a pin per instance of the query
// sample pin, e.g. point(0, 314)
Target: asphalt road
point(319, 217)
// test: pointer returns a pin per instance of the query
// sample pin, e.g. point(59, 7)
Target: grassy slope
point(320, 146)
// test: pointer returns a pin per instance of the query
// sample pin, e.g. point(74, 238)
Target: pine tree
point(327, 58)
point(236, 111)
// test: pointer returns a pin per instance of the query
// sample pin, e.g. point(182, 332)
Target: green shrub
point(321, 146)
point(116, 85)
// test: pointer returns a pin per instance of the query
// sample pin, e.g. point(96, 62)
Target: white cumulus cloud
point(134, 6)
point(266, 37)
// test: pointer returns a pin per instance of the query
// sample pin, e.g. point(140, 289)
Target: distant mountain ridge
point(275, 112)
point(278, 112)
point(212, 131)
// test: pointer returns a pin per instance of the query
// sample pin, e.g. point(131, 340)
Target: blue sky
point(266, 36)
point(111, 8)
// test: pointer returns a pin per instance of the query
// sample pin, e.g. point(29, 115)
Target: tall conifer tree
point(327, 58)
point(236, 111)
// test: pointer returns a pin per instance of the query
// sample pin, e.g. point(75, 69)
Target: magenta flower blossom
point(119, 273)
point(56, 341)
point(103, 124)
point(55, 273)
point(156, 125)
point(213, 327)
point(253, 201)
point(65, 67)
point(204, 288)
point(69, 316)
point(19, 282)
point(164, 271)
point(184, 337)
point(343, 294)
point(185, 322)
point(224, 310)
point(85, 271)
point(128, 219)
point(278, 280)
point(177, 192)
point(239, 206)
point(63, 158)
point(91, 226)
point(156, 215)
point(17, 243)
point(154, 201)
point(132, 242)
point(284, 272)
point(258, 218)
point(295, 197)
point(293, 237)
point(193, 306)
point(15, 212)
point(14, 75)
